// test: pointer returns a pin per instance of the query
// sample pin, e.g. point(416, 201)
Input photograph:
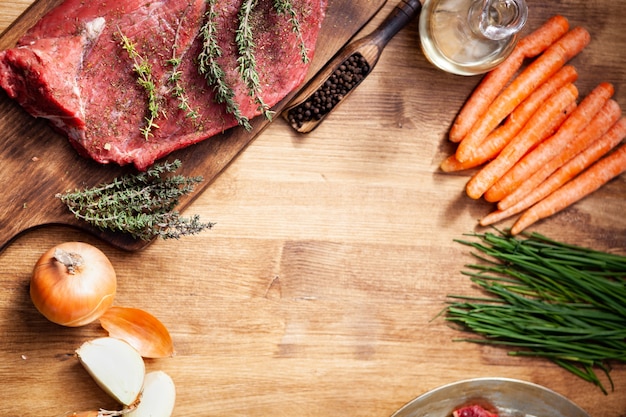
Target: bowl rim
point(406, 406)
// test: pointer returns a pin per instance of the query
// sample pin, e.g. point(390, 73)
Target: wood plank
point(317, 291)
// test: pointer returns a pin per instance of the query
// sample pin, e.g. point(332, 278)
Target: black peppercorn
point(346, 77)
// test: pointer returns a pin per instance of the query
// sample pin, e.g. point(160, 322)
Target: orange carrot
point(514, 123)
point(606, 117)
point(496, 143)
point(539, 40)
point(525, 110)
point(569, 170)
point(518, 118)
point(536, 130)
point(550, 148)
point(494, 81)
point(486, 91)
point(450, 164)
point(521, 87)
point(586, 183)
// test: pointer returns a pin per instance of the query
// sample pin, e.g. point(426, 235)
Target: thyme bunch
point(211, 69)
point(244, 39)
point(143, 70)
point(547, 299)
point(141, 204)
point(285, 8)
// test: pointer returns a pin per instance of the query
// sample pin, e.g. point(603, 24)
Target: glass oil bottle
point(469, 37)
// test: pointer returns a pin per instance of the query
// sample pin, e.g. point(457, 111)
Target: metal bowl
point(510, 397)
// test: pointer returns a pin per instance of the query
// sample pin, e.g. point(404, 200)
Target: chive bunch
point(547, 299)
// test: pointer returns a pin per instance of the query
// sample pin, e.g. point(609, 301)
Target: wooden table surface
point(315, 293)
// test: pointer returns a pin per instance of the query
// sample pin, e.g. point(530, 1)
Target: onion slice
point(158, 396)
point(140, 329)
point(115, 366)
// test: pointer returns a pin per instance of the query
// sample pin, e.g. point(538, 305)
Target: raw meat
point(71, 69)
point(473, 411)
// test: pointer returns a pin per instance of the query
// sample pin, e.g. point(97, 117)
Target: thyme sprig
point(141, 205)
point(178, 91)
point(211, 69)
point(285, 8)
point(246, 61)
point(143, 71)
point(547, 299)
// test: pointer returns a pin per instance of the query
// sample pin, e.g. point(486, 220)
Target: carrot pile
point(538, 149)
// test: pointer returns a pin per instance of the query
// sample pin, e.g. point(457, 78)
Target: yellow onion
point(139, 329)
point(73, 284)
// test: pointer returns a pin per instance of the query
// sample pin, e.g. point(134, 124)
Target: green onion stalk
point(548, 299)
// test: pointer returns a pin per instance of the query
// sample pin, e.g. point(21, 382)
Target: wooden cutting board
point(36, 163)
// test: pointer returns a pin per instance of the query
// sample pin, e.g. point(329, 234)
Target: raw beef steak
point(72, 69)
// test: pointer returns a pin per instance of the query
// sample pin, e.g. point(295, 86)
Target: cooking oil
point(469, 37)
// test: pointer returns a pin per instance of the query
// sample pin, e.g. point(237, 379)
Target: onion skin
point(73, 296)
point(140, 329)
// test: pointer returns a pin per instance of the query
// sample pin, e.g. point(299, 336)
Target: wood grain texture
point(42, 163)
point(315, 293)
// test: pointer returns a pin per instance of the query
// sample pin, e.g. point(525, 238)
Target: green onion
point(548, 299)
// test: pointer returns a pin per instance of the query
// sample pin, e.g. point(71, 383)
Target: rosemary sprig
point(547, 299)
point(244, 39)
point(141, 204)
point(285, 7)
point(211, 69)
point(143, 70)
